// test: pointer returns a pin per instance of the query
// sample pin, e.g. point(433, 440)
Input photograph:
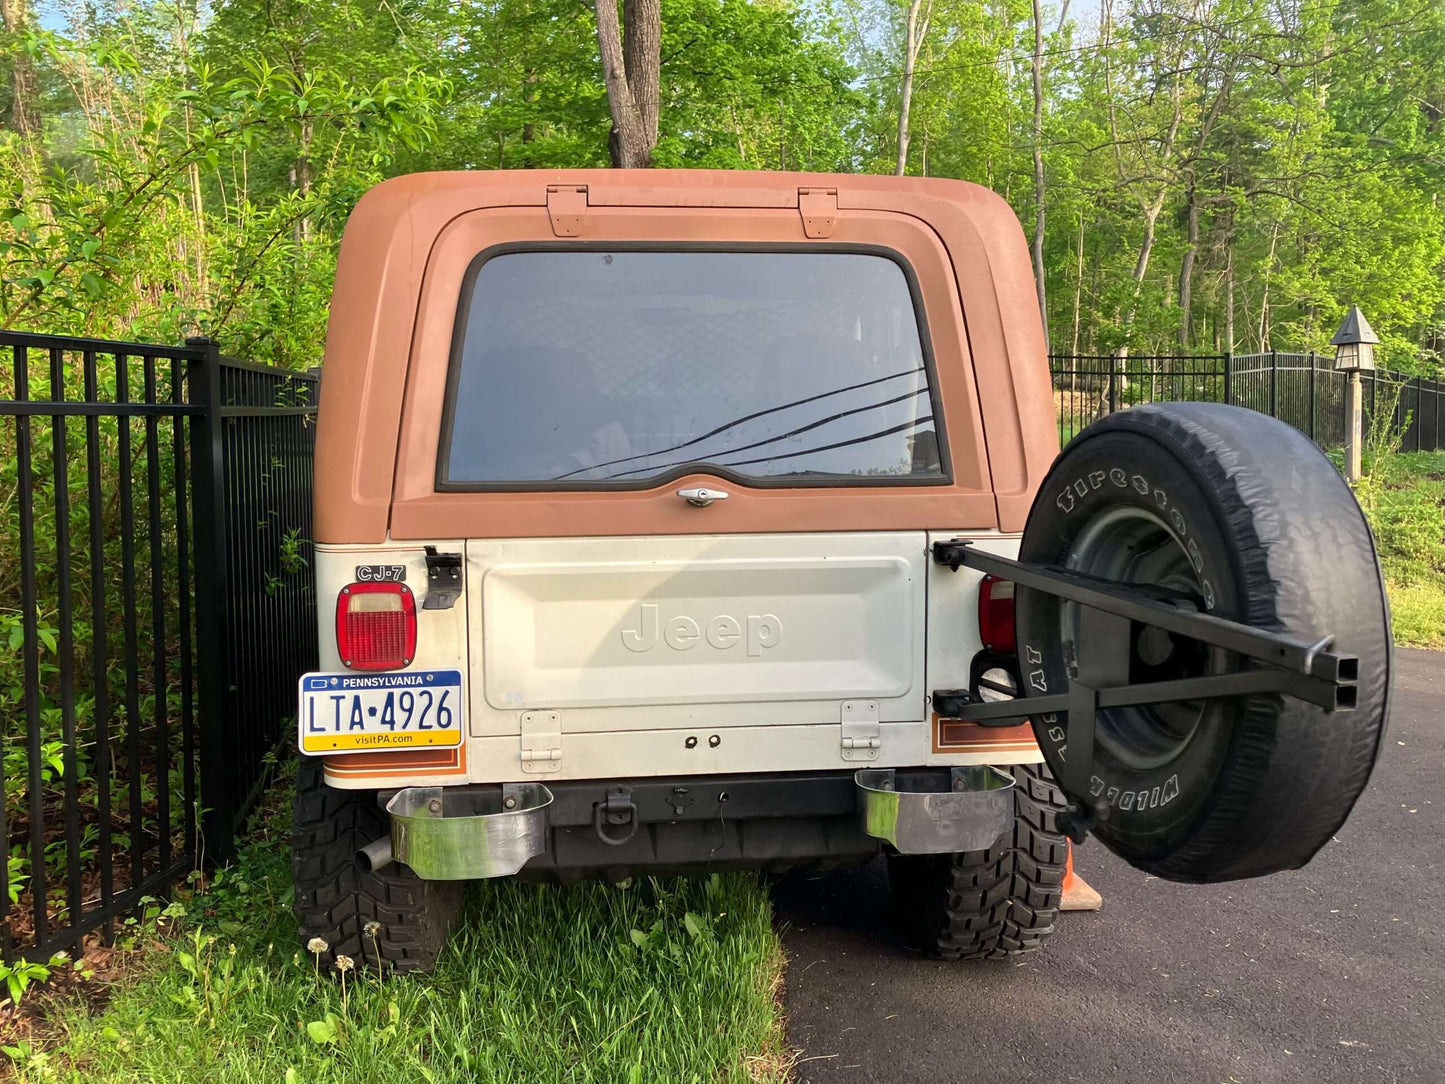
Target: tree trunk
point(1146, 248)
point(1078, 290)
point(1186, 267)
point(305, 172)
point(24, 114)
point(1264, 310)
point(915, 30)
point(631, 69)
point(1038, 242)
point(529, 128)
point(1229, 298)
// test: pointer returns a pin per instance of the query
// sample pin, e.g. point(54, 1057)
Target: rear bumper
point(615, 828)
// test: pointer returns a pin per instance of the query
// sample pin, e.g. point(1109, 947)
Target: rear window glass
point(596, 368)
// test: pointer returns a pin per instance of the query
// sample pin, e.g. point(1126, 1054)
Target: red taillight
point(996, 615)
point(376, 626)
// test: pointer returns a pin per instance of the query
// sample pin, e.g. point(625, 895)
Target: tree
point(915, 31)
point(1192, 173)
point(1040, 276)
point(631, 63)
point(24, 115)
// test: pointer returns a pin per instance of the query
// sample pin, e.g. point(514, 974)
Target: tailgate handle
point(701, 496)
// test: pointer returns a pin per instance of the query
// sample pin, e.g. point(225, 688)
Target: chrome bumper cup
point(463, 836)
point(969, 817)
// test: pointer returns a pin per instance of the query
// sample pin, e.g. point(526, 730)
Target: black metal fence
point(158, 507)
point(253, 541)
point(1301, 389)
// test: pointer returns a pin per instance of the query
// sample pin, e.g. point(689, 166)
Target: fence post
point(1313, 378)
point(1228, 376)
point(1354, 430)
point(1419, 409)
point(208, 494)
point(1274, 383)
point(1113, 385)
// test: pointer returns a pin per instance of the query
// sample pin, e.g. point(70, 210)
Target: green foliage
point(1304, 140)
point(541, 983)
point(1404, 497)
point(142, 213)
point(194, 172)
point(18, 976)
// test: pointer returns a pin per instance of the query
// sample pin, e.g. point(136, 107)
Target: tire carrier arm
point(1307, 671)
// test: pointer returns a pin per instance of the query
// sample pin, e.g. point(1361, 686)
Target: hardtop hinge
point(819, 208)
point(860, 739)
point(541, 741)
point(566, 207)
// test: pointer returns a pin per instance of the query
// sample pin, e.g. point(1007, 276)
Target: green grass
point(666, 979)
point(1404, 497)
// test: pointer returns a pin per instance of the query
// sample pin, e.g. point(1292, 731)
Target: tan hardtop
point(410, 241)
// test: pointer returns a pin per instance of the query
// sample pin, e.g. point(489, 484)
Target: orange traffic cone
point(1078, 896)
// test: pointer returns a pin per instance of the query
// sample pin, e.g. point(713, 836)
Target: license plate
point(348, 713)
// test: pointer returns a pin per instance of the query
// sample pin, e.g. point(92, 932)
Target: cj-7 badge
point(381, 573)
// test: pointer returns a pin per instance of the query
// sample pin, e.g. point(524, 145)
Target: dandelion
point(344, 964)
point(372, 929)
point(316, 946)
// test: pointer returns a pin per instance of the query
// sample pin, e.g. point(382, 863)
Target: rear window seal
point(443, 484)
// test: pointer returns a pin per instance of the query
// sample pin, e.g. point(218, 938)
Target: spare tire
point(1244, 514)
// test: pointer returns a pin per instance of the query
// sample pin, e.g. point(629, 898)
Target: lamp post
point(1354, 347)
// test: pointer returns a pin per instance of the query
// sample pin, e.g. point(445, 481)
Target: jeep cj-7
point(690, 521)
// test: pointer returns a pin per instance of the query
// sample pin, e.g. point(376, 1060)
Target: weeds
point(662, 979)
point(19, 974)
point(1404, 497)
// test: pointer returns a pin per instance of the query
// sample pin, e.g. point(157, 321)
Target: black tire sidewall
point(1148, 810)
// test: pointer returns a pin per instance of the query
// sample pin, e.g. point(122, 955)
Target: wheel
point(1245, 516)
point(336, 902)
point(998, 902)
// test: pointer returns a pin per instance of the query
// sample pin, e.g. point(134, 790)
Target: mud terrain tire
point(1248, 516)
point(336, 902)
point(998, 902)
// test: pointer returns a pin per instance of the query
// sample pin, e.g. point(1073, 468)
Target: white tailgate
point(669, 632)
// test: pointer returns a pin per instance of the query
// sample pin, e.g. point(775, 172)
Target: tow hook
point(616, 809)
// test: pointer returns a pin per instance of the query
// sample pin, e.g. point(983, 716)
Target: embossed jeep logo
point(683, 633)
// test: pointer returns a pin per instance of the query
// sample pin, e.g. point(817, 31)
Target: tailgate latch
point(541, 741)
point(443, 579)
point(860, 736)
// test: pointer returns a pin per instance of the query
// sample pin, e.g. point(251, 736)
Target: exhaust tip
point(374, 856)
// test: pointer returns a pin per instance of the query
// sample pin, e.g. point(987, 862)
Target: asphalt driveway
point(1331, 973)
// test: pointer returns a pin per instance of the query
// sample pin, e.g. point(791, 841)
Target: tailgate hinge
point(819, 208)
point(566, 207)
point(541, 741)
point(860, 736)
point(443, 579)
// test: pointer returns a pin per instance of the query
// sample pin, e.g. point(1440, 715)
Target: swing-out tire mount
point(1203, 639)
point(1307, 671)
